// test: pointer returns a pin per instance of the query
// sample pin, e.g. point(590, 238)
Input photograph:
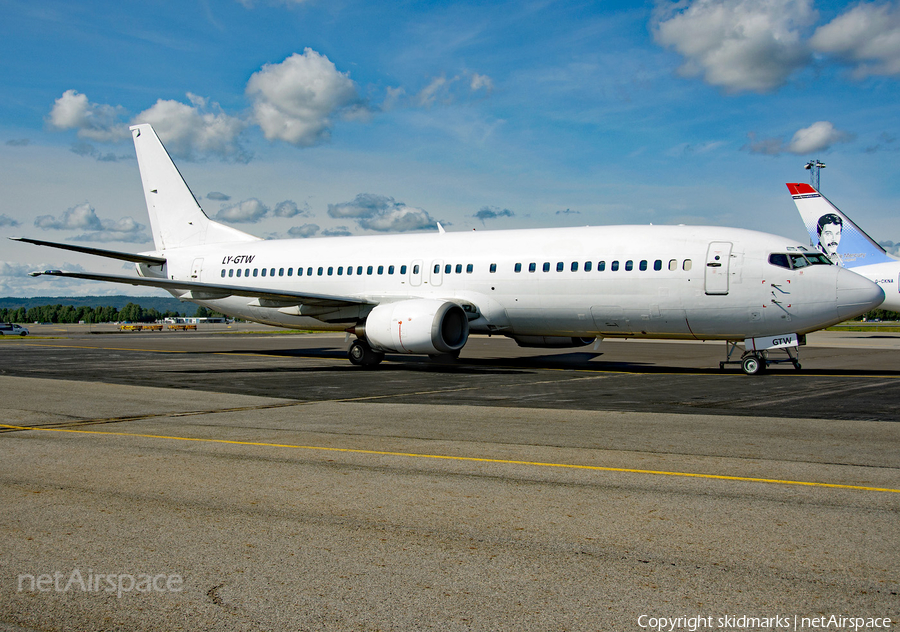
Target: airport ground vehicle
point(11, 329)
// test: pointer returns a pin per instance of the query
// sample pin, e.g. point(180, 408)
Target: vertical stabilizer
point(176, 218)
point(832, 232)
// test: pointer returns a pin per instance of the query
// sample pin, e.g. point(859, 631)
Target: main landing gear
point(756, 362)
point(361, 354)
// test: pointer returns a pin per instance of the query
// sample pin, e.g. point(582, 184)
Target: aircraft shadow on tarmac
point(576, 361)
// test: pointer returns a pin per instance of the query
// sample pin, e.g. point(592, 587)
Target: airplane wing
point(100, 252)
point(191, 290)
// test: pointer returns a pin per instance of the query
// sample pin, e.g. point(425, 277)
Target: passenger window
point(255, 270)
point(532, 267)
point(340, 270)
point(416, 269)
point(518, 267)
point(239, 272)
point(299, 271)
point(358, 269)
point(290, 271)
point(320, 271)
point(780, 260)
point(614, 266)
point(587, 266)
point(403, 269)
point(223, 273)
point(437, 268)
point(629, 265)
point(574, 266)
point(349, 270)
point(272, 272)
point(493, 268)
point(687, 265)
point(390, 269)
point(369, 270)
point(673, 264)
point(560, 266)
point(280, 271)
point(247, 272)
point(447, 268)
point(231, 273)
point(263, 272)
point(643, 265)
point(458, 268)
point(470, 268)
point(380, 269)
point(546, 267)
point(657, 265)
point(330, 270)
point(309, 272)
point(601, 266)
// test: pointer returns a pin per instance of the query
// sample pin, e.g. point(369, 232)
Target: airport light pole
point(814, 166)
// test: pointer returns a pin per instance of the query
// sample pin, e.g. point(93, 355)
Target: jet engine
point(426, 326)
point(552, 342)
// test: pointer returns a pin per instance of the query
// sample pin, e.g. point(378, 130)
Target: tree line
point(132, 312)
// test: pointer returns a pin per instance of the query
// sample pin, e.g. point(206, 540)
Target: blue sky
point(310, 118)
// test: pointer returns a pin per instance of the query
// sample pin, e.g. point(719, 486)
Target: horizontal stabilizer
point(205, 291)
point(100, 252)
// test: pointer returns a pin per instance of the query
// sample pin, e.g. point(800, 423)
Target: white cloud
point(738, 45)
point(438, 88)
point(289, 208)
point(79, 217)
point(216, 195)
point(492, 212)
point(249, 212)
point(481, 81)
point(819, 136)
point(295, 100)
point(6, 220)
point(306, 230)
point(83, 217)
point(337, 231)
point(93, 121)
point(382, 213)
point(867, 35)
point(191, 131)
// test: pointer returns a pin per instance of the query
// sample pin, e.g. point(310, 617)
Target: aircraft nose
point(856, 294)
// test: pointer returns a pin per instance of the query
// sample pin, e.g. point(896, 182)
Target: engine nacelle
point(421, 325)
point(553, 342)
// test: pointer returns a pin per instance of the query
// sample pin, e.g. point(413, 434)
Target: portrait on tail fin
point(828, 232)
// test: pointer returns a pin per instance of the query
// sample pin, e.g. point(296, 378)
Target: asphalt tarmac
point(215, 480)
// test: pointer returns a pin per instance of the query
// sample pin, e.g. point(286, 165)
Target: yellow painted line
point(469, 459)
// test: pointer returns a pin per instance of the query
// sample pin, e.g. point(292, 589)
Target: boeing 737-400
point(845, 243)
point(555, 287)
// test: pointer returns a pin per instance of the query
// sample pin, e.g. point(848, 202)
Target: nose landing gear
point(755, 362)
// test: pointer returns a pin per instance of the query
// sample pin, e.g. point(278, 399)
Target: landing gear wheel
point(361, 354)
point(753, 364)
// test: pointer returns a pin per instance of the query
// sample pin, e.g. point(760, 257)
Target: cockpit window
point(819, 259)
point(795, 260)
point(780, 260)
point(798, 261)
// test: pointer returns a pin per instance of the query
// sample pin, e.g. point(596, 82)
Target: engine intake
point(428, 326)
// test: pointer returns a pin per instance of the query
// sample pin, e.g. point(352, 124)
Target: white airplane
point(426, 293)
point(835, 234)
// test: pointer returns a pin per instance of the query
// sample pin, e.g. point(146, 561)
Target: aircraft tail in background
point(832, 232)
point(176, 219)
